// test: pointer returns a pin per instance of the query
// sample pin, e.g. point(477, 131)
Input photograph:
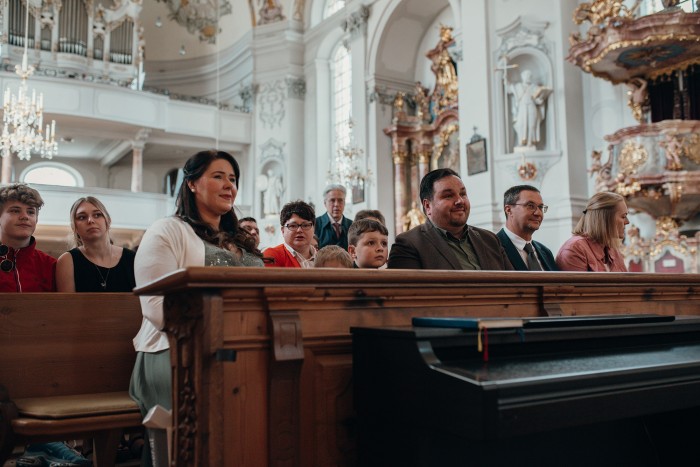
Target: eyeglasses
point(6, 265)
point(533, 207)
point(304, 226)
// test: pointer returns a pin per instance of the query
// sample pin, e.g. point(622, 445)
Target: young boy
point(332, 256)
point(368, 243)
point(23, 268)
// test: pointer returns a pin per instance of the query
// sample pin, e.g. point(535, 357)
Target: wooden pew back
point(54, 344)
point(287, 398)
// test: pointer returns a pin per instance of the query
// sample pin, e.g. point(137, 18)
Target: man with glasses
point(23, 268)
point(297, 221)
point(524, 213)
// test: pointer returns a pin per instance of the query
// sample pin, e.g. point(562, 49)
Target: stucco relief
point(271, 103)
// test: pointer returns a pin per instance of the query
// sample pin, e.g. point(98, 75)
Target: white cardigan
point(168, 245)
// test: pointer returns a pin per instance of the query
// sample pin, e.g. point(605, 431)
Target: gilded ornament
point(691, 147)
point(399, 157)
point(632, 157)
point(527, 171)
point(673, 149)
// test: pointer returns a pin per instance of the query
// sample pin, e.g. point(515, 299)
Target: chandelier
point(23, 117)
point(347, 169)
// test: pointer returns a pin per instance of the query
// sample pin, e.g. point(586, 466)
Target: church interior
point(370, 93)
point(109, 98)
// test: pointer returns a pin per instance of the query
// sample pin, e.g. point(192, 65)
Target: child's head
point(333, 256)
point(368, 243)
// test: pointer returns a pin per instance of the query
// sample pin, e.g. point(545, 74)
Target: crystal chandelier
point(347, 169)
point(23, 116)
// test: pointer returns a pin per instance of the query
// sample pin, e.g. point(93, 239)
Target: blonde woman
point(597, 237)
point(95, 264)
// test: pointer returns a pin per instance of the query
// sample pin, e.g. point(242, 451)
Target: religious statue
point(422, 102)
point(398, 105)
point(529, 101)
point(673, 150)
point(413, 218)
point(446, 84)
point(638, 98)
point(272, 193)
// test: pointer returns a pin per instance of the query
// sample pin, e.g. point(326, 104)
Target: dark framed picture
point(476, 157)
point(358, 193)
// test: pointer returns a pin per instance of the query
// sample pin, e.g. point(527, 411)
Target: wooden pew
point(65, 366)
point(262, 358)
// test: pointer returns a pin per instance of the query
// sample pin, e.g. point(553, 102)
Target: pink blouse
point(583, 254)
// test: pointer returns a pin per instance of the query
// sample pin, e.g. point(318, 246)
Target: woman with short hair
point(598, 235)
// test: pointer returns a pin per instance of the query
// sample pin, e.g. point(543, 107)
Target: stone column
point(7, 164)
point(423, 164)
point(137, 146)
point(400, 157)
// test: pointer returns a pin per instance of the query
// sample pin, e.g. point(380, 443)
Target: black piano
point(600, 390)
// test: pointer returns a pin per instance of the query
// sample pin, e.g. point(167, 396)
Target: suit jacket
point(281, 256)
point(543, 253)
point(423, 247)
point(326, 233)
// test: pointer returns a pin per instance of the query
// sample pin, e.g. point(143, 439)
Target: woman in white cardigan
point(203, 232)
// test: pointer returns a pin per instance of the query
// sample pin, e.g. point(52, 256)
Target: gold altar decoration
point(424, 131)
point(655, 165)
point(632, 156)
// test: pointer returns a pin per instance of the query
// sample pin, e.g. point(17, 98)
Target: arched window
point(332, 6)
point(341, 96)
point(52, 173)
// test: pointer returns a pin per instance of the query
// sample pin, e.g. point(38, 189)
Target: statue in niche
point(529, 106)
point(272, 193)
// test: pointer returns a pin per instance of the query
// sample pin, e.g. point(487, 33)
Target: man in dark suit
point(445, 241)
point(332, 227)
point(524, 213)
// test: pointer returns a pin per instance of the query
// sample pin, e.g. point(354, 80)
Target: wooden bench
point(65, 366)
point(262, 359)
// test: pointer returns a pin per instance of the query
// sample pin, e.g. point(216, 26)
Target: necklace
point(103, 284)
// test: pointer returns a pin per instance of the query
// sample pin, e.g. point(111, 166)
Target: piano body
point(599, 390)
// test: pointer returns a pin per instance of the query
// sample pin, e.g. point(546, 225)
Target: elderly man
point(524, 213)
point(445, 241)
point(332, 227)
point(250, 225)
point(297, 220)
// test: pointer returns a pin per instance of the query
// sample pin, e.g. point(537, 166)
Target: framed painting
point(476, 157)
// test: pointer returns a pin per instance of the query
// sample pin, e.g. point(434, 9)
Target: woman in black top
point(95, 265)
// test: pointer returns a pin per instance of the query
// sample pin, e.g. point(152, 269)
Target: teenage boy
point(368, 243)
point(23, 268)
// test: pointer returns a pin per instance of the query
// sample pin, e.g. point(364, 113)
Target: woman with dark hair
point(203, 232)
point(597, 237)
point(95, 264)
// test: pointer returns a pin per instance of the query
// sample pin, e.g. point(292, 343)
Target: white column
point(137, 146)
point(7, 163)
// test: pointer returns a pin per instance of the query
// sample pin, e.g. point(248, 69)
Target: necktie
point(532, 263)
point(338, 229)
